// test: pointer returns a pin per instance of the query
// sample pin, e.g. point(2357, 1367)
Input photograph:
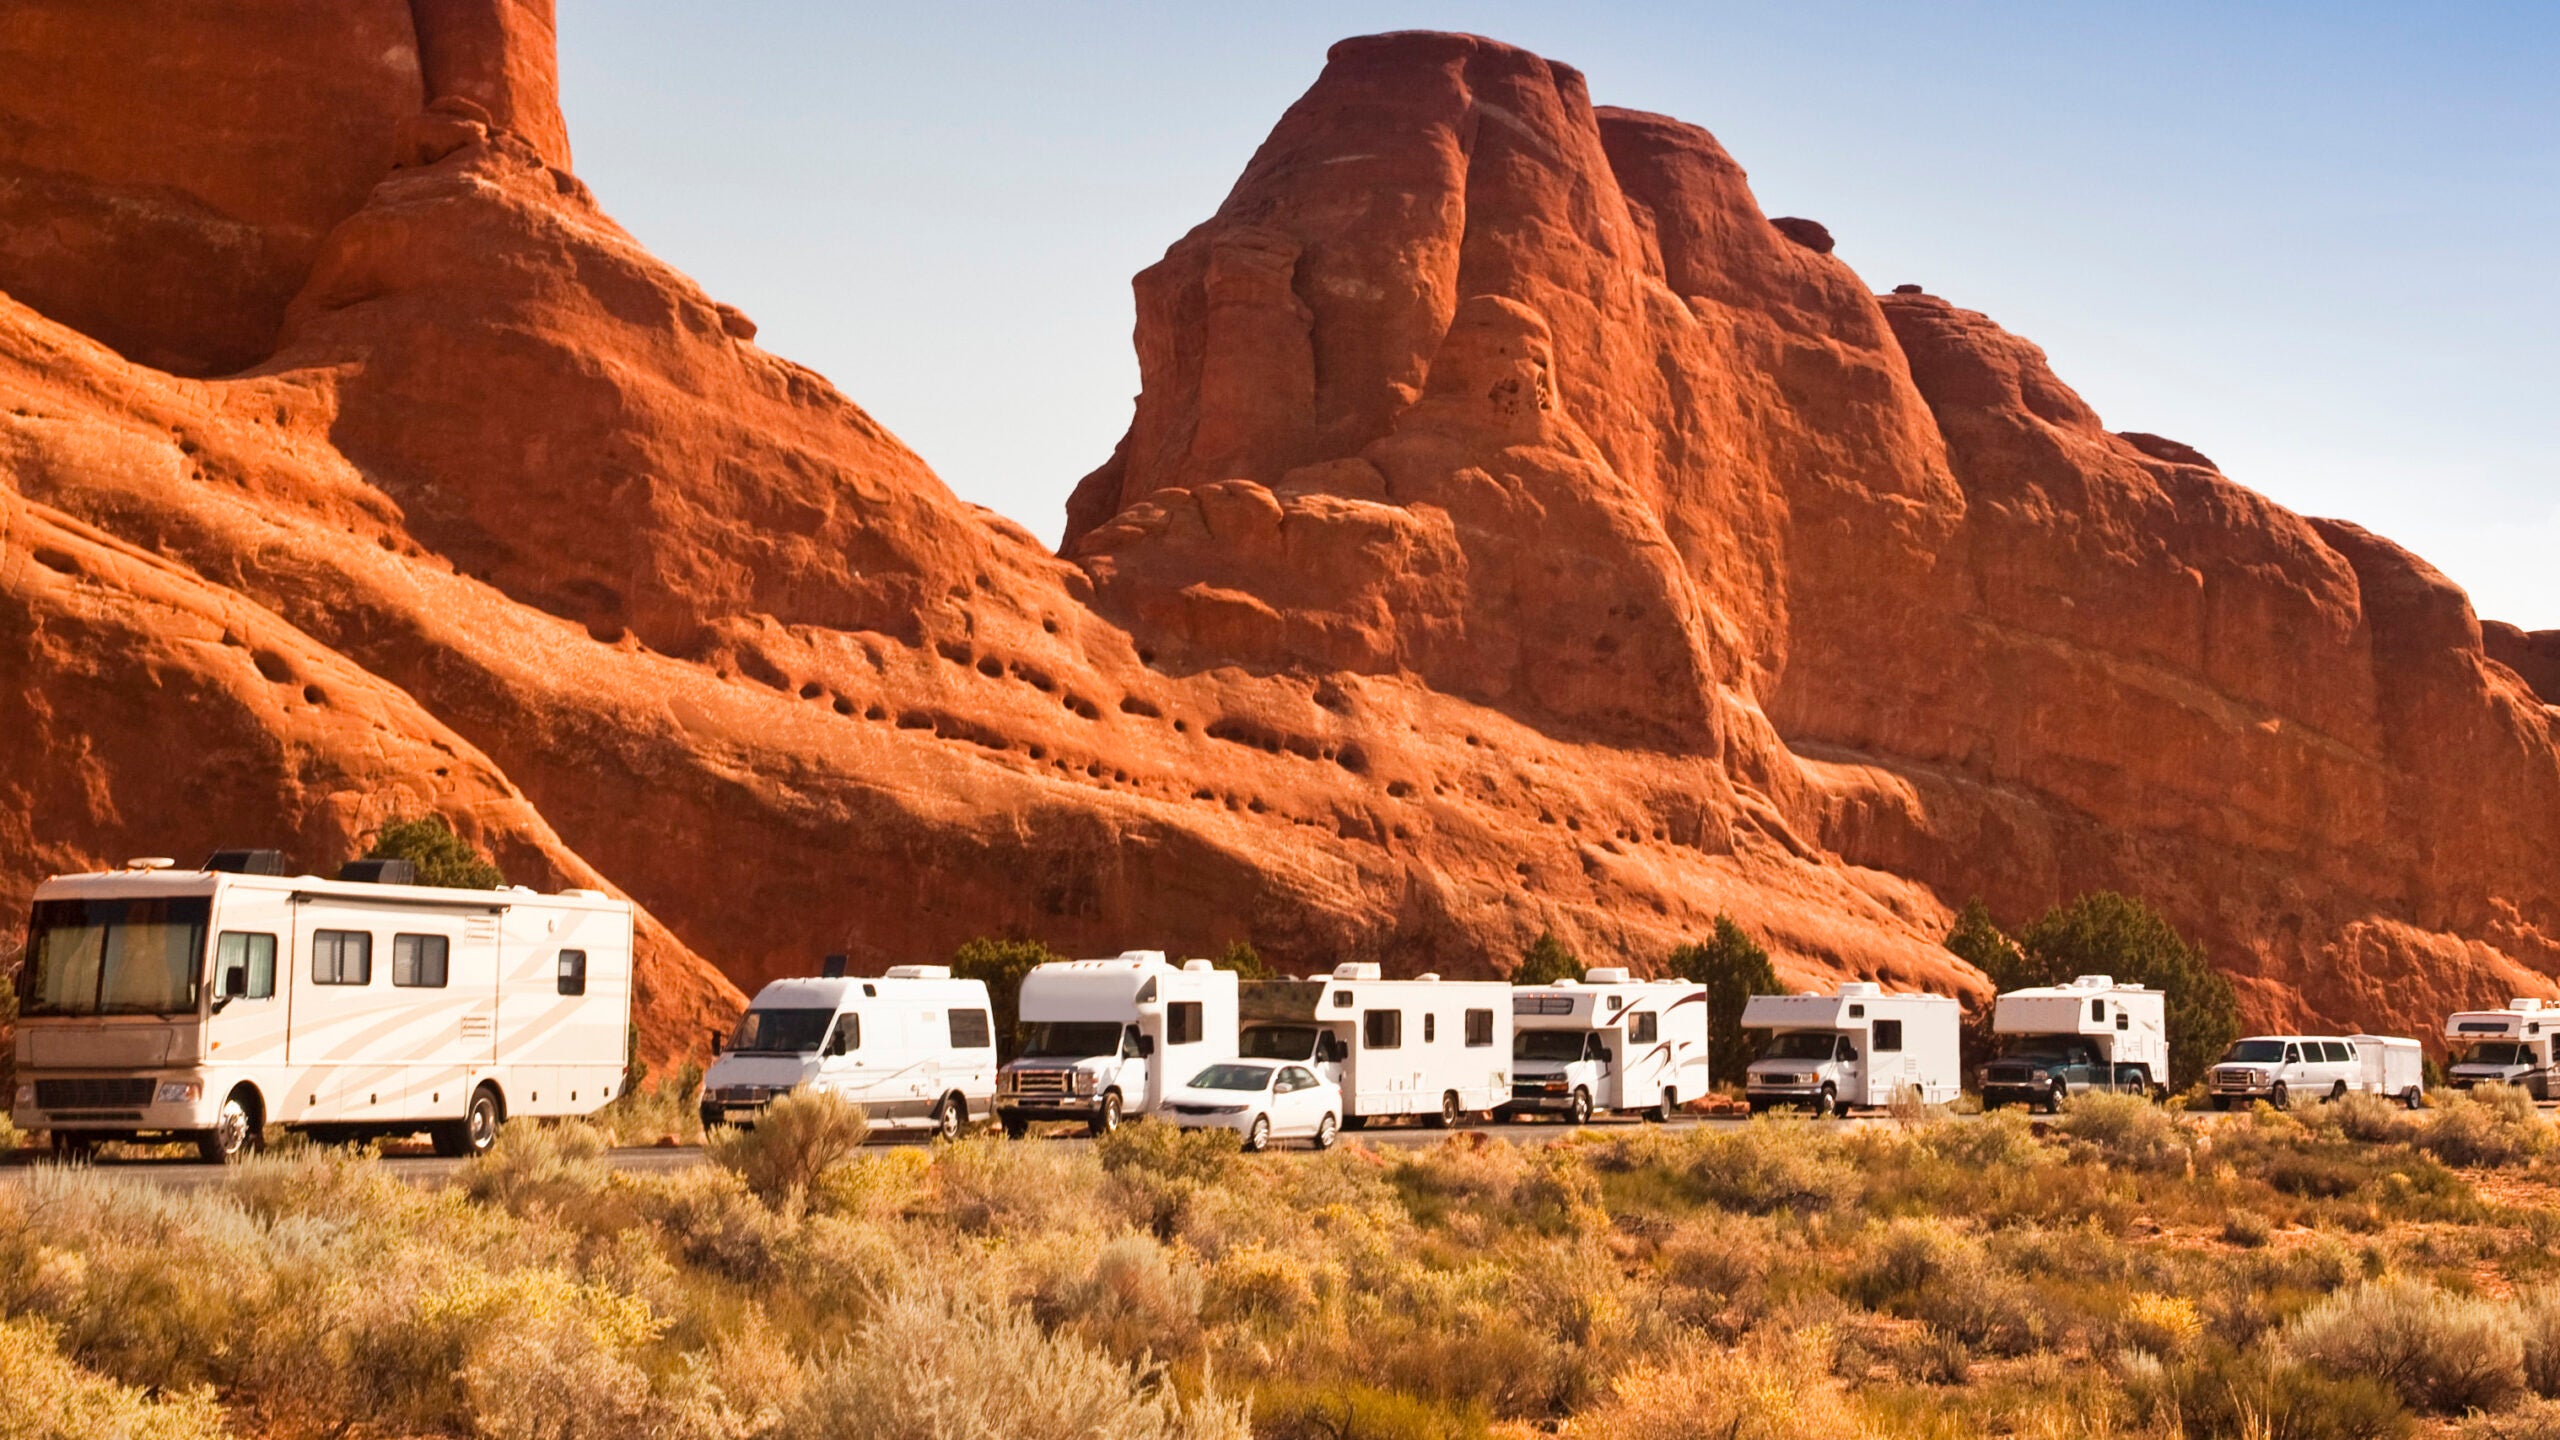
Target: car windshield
point(1233, 1077)
point(1278, 1042)
point(1070, 1039)
point(2255, 1052)
point(1563, 1045)
point(116, 957)
point(781, 1030)
point(1802, 1045)
point(2499, 1052)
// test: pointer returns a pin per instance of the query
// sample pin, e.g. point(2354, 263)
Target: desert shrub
point(1333, 1410)
point(43, 1396)
point(1250, 1283)
point(2247, 1229)
point(710, 1220)
point(2259, 1396)
point(2128, 1130)
point(1734, 968)
point(988, 1184)
point(1927, 1270)
point(1546, 961)
point(1769, 1165)
point(2441, 1352)
point(2367, 1119)
point(1135, 1299)
point(2491, 1125)
point(441, 856)
point(938, 1364)
point(1156, 1169)
point(1768, 1388)
point(645, 1114)
point(1002, 964)
point(2164, 1325)
point(2537, 1323)
point(795, 1141)
point(560, 1168)
point(2536, 1419)
point(877, 1186)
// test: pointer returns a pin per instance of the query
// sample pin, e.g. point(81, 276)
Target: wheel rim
point(1324, 1132)
point(231, 1128)
point(1449, 1109)
point(1581, 1108)
point(1261, 1134)
point(948, 1121)
point(484, 1123)
point(1110, 1112)
point(2277, 1096)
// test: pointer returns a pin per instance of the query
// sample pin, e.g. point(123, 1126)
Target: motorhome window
point(1430, 1029)
point(1888, 1036)
point(573, 972)
point(2499, 1052)
point(781, 1030)
point(116, 957)
point(1233, 1077)
point(1539, 1005)
point(420, 960)
point(1479, 1028)
point(1382, 1029)
point(1341, 999)
point(341, 957)
point(1069, 1039)
point(254, 956)
point(970, 1030)
point(1182, 1024)
point(846, 1037)
point(1617, 1002)
point(1802, 1045)
point(2254, 1052)
point(1857, 1012)
point(1642, 1027)
point(1560, 1046)
point(2097, 1009)
point(1277, 1042)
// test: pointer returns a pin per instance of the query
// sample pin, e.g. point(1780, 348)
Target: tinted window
point(1479, 1027)
point(2292, 1055)
point(573, 972)
point(2097, 1009)
point(1341, 999)
point(341, 957)
point(254, 954)
point(847, 1036)
point(1430, 1028)
point(1382, 1029)
point(1182, 1024)
point(116, 957)
point(1277, 1042)
point(1643, 1025)
point(970, 1030)
point(420, 960)
point(778, 1030)
point(1297, 1079)
point(2340, 1050)
point(1888, 1035)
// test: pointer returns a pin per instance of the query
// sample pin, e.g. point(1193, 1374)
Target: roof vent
point(1197, 967)
point(246, 862)
point(1428, 975)
point(914, 972)
point(2094, 982)
point(1860, 988)
point(1607, 975)
point(2524, 1002)
point(1144, 957)
point(1357, 970)
point(151, 862)
point(833, 967)
point(379, 872)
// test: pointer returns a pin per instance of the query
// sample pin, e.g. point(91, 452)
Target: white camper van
point(2057, 1041)
point(207, 1004)
point(1608, 1042)
point(2281, 1069)
point(1857, 1047)
point(2504, 1047)
point(914, 1048)
point(1426, 1047)
point(1102, 1040)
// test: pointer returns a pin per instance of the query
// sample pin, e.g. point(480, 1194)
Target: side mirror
point(1146, 1046)
point(1848, 1052)
point(1603, 1052)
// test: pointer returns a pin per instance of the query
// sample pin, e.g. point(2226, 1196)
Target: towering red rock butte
point(1517, 531)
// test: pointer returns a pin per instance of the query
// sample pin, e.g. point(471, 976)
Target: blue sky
point(2320, 243)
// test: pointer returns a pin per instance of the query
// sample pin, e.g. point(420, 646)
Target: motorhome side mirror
point(1603, 1052)
point(1848, 1052)
point(1146, 1046)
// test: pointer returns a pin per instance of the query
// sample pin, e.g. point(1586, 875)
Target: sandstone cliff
point(1516, 531)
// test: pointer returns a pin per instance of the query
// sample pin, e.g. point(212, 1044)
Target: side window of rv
point(847, 1037)
point(1430, 1028)
point(970, 1030)
point(254, 956)
point(2123, 1021)
point(341, 957)
point(1382, 1029)
point(420, 960)
point(1341, 999)
point(1182, 1023)
point(1888, 1036)
point(1642, 1027)
point(1479, 1027)
point(573, 972)
point(2098, 1010)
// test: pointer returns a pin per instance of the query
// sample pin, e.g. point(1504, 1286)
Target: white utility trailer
point(1427, 1047)
point(1608, 1042)
point(2056, 1041)
point(207, 1004)
point(1857, 1047)
point(2512, 1046)
point(1102, 1040)
point(913, 1047)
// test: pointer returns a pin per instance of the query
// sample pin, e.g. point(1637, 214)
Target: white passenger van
point(2056, 1041)
point(1856, 1047)
point(2281, 1069)
point(913, 1047)
point(2504, 1047)
point(207, 1004)
point(1608, 1042)
point(1427, 1047)
point(1102, 1040)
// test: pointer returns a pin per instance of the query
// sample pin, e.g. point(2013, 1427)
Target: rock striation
point(1516, 531)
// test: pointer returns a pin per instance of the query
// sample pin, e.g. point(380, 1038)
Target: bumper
point(1049, 1107)
point(2016, 1094)
point(1239, 1122)
point(167, 1107)
point(1783, 1094)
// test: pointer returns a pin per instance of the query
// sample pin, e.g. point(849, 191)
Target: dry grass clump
point(1771, 1387)
point(793, 1143)
point(2127, 1130)
point(44, 1396)
point(2441, 1352)
point(666, 1112)
point(2489, 1125)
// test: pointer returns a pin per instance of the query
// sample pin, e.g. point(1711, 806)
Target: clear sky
point(2319, 242)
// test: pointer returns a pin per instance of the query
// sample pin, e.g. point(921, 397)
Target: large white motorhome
point(2504, 1047)
point(2057, 1041)
point(1102, 1040)
point(1427, 1047)
point(913, 1047)
point(1856, 1047)
point(1608, 1042)
point(207, 1004)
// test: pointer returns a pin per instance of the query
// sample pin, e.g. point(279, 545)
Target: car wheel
point(2279, 1097)
point(1827, 1103)
point(480, 1124)
point(1326, 1131)
point(1580, 1114)
point(234, 1135)
point(1108, 1119)
point(2222, 1102)
point(2411, 1098)
point(1257, 1138)
point(949, 1116)
point(1449, 1112)
point(1661, 1114)
point(1015, 1127)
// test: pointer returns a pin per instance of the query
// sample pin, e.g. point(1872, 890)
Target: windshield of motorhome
point(1278, 1042)
point(116, 957)
point(1547, 1045)
point(2499, 1052)
point(1233, 1077)
point(777, 1030)
point(1069, 1039)
point(1802, 1045)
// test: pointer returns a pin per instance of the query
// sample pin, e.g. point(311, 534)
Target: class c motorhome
point(1103, 1040)
point(1426, 1047)
point(207, 1004)
point(1608, 1042)
point(2512, 1046)
point(1856, 1047)
point(913, 1047)
point(2056, 1041)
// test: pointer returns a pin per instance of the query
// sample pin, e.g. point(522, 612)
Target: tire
point(1327, 1131)
point(1449, 1112)
point(1107, 1119)
point(1580, 1114)
point(2411, 1098)
point(1758, 1107)
point(2337, 1092)
point(2051, 1103)
point(235, 1133)
point(2279, 1096)
point(71, 1147)
point(1827, 1103)
point(2222, 1102)
point(1257, 1137)
point(1015, 1127)
point(2159, 1094)
point(950, 1115)
point(1661, 1114)
point(478, 1128)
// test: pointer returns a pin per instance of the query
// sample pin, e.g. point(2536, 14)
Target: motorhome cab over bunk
point(2503, 1047)
point(1426, 1047)
point(1608, 1042)
point(913, 1047)
point(207, 1004)
point(1857, 1047)
point(1102, 1040)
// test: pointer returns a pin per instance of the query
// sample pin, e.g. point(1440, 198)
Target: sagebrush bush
point(559, 1167)
point(2128, 1130)
point(2535, 1419)
point(2489, 1125)
point(2439, 1351)
point(987, 1183)
point(1288, 1410)
point(1770, 1387)
point(44, 1396)
point(1769, 1165)
point(2537, 1322)
point(793, 1143)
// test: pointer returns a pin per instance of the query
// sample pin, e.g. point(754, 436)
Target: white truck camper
point(2504, 1047)
point(208, 1004)
point(913, 1047)
point(1103, 1040)
point(1858, 1047)
point(1608, 1042)
point(2056, 1041)
point(1426, 1047)
point(2281, 1069)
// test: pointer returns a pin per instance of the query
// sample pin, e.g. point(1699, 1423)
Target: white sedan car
point(1261, 1102)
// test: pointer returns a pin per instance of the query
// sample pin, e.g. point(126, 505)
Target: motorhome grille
point(1039, 1082)
point(92, 1094)
point(1541, 1004)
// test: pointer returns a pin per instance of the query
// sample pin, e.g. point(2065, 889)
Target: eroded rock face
point(1517, 531)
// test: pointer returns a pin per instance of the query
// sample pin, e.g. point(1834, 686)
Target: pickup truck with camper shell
point(2057, 1041)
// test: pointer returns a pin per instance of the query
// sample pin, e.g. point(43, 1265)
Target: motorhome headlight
point(180, 1092)
point(1083, 1082)
point(26, 1093)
